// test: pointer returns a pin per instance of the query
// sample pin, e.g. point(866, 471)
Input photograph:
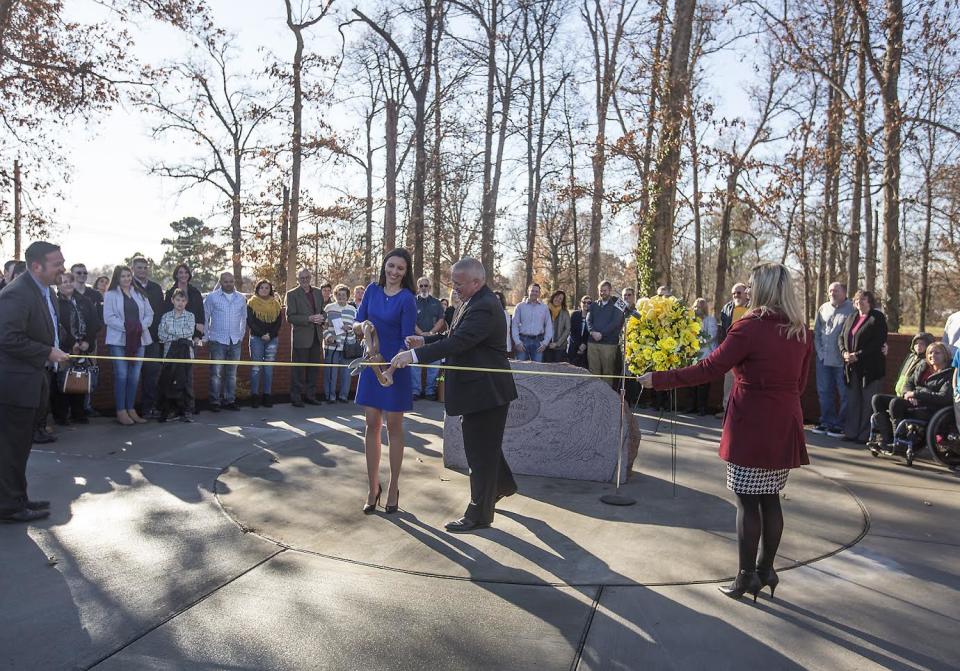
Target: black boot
point(254, 400)
point(267, 402)
point(768, 578)
point(746, 581)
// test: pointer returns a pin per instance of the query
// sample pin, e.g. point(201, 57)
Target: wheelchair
point(939, 435)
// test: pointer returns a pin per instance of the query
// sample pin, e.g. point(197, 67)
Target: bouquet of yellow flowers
point(666, 336)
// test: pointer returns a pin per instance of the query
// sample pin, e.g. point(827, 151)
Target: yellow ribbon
point(238, 362)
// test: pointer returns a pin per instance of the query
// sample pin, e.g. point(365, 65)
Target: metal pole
point(17, 215)
point(617, 499)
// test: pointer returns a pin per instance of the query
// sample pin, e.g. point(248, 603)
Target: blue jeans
point(830, 384)
point(126, 377)
point(332, 377)
point(221, 351)
point(530, 346)
point(432, 375)
point(261, 350)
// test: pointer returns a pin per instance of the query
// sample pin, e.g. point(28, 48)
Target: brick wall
point(103, 398)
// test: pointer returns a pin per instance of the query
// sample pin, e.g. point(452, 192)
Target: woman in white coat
point(127, 315)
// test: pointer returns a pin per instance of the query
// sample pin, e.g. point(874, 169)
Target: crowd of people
point(152, 335)
point(139, 319)
point(850, 338)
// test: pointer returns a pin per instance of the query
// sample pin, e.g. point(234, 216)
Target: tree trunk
point(860, 168)
point(891, 164)
point(17, 212)
point(437, 173)
point(925, 253)
point(488, 213)
point(368, 237)
point(284, 241)
point(657, 57)
point(720, 279)
point(697, 229)
point(668, 166)
point(296, 157)
point(531, 232)
point(391, 119)
point(236, 234)
point(572, 209)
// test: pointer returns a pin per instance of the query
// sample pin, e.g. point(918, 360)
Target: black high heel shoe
point(746, 581)
point(395, 507)
point(768, 578)
point(370, 508)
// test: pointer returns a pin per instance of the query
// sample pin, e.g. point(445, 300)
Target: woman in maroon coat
point(763, 438)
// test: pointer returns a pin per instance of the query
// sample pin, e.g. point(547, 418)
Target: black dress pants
point(16, 439)
point(889, 410)
point(150, 377)
point(303, 379)
point(490, 476)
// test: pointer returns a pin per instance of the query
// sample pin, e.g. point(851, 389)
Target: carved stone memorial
point(559, 427)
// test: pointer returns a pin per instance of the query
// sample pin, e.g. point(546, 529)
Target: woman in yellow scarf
point(264, 316)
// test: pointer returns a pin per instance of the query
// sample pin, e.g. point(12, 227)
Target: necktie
point(456, 315)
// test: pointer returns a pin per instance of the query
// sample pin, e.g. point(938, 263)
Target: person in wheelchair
point(915, 359)
point(930, 389)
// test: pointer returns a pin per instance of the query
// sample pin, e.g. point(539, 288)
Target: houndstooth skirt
point(744, 480)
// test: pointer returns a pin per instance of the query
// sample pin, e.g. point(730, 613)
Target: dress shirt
point(532, 319)
point(53, 311)
point(226, 317)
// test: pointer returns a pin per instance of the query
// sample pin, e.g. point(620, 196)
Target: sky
point(113, 208)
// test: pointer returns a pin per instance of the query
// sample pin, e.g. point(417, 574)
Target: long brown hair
point(115, 281)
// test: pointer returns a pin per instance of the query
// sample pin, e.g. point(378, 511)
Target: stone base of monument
point(559, 427)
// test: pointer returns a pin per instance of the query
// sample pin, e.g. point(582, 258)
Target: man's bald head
point(468, 276)
point(227, 282)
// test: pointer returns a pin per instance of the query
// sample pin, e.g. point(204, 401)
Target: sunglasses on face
point(424, 286)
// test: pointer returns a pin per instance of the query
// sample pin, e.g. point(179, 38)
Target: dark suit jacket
point(26, 338)
point(868, 345)
point(477, 340)
point(577, 335)
point(303, 332)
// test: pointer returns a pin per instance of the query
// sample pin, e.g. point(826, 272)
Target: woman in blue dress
point(391, 306)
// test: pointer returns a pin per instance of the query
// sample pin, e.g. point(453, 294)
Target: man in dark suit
point(29, 348)
point(475, 340)
point(307, 320)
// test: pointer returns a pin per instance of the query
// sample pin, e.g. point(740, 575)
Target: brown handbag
point(76, 379)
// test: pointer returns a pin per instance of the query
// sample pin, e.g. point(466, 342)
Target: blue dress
point(394, 318)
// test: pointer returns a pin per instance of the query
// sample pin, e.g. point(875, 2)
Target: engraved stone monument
point(560, 427)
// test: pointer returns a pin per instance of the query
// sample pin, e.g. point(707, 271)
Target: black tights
point(759, 517)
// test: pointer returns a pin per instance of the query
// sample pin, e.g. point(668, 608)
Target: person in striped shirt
point(338, 334)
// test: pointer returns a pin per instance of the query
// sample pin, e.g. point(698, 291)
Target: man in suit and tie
point(475, 340)
point(29, 348)
point(307, 319)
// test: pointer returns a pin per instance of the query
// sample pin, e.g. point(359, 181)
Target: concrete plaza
point(237, 542)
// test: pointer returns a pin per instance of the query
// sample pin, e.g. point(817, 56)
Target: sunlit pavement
point(238, 542)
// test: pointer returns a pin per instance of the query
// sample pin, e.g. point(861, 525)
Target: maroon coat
point(763, 424)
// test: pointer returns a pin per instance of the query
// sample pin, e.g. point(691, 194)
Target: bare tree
point(607, 30)
point(668, 165)
point(887, 75)
point(303, 21)
point(541, 22)
point(433, 14)
point(220, 114)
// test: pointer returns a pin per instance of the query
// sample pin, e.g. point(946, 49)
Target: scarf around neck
point(265, 309)
point(554, 310)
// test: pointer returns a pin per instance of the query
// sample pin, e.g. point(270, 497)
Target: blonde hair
point(937, 347)
point(771, 291)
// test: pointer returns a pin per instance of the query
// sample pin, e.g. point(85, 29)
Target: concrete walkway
point(238, 543)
